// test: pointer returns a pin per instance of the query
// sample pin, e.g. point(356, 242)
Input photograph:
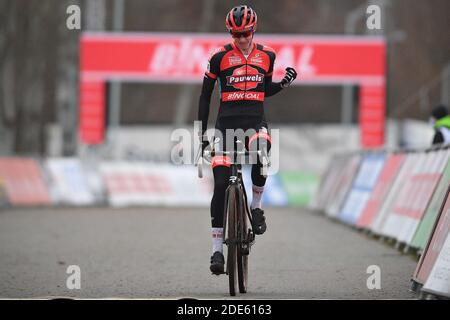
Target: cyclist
point(244, 70)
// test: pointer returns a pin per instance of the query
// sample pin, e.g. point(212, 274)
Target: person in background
point(441, 123)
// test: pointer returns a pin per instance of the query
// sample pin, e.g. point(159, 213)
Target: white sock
point(217, 237)
point(257, 197)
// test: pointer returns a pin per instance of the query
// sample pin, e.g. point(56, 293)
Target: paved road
point(164, 253)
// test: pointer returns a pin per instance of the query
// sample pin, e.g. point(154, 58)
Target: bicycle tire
point(242, 259)
point(232, 237)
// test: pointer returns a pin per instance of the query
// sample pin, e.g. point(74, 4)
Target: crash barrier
point(336, 183)
point(140, 184)
point(23, 182)
point(362, 187)
point(433, 269)
point(398, 196)
point(72, 182)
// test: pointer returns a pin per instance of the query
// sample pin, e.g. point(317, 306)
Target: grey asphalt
point(164, 253)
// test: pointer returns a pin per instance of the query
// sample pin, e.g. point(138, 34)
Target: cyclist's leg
point(263, 142)
point(221, 171)
point(260, 141)
point(221, 176)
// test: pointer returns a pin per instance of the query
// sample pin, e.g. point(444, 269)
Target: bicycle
point(237, 215)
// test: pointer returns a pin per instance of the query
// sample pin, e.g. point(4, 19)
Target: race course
point(155, 253)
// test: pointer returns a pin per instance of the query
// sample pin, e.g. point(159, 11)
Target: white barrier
point(68, 183)
point(140, 184)
point(342, 185)
point(428, 183)
point(438, 281)
point(401, 205)
point(328, 183)
point(425, 229)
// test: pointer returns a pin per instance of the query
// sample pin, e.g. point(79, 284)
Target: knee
point(260, 141)
point(258, 178)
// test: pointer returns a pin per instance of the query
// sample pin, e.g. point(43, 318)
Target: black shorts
point(253, 131)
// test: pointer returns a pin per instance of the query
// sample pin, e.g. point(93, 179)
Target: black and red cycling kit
point(244, 84)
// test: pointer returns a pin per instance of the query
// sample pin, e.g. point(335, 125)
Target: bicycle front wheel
point(242, 257)
point(232, 240)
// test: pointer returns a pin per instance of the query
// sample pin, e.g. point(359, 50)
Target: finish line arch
point(182, 58)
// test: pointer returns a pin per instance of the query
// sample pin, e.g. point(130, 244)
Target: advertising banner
point(365, 181)
point(24, 182)
point(385, 181)
point(435, 244)
point(69, 184)
point(425, 228)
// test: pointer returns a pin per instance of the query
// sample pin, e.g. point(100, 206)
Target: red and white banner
point(378, 195)
point(140, 184)
point(406, 170)
point(182, 57)
point(413, 198)
point(24, 183)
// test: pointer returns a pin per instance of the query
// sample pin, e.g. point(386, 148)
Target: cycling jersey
point(442, 131)
point(244, 83)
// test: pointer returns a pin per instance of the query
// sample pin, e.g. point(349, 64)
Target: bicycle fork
point(244, 243)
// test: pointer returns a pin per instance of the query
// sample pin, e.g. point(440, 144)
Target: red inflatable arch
point(182, 58)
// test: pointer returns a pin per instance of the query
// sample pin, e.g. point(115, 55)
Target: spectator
point(441, 122)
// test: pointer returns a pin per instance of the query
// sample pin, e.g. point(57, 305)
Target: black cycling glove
point(289, 77)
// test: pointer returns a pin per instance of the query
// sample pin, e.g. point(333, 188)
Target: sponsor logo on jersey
point(249, 95)
point(234, 60)
point(256, 59)
point(245, 78)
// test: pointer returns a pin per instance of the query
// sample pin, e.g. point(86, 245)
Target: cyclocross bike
point(238, 234)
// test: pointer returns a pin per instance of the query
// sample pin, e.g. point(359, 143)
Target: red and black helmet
point(241, 18)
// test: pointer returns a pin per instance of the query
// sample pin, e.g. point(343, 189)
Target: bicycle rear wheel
point(232, 240)
point(242, 257)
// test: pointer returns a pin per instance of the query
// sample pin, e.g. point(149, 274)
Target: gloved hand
point(289, 77)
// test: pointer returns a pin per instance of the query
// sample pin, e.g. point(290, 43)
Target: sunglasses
point(244, 34)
